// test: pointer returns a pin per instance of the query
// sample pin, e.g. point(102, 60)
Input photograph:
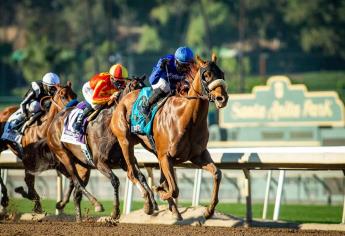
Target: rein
point(205, 95)
point(65, 104)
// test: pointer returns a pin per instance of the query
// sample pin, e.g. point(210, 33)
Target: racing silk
point(102, 88)
point(35, 93)
point(160, 71)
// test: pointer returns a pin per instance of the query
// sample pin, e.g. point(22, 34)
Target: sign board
point(281, 104)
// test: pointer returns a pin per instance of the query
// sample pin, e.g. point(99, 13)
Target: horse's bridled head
point(65, 94)
point(213, 78)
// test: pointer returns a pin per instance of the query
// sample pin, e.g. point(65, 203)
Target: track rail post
point(248, 195)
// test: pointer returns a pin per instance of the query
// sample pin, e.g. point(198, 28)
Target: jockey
point(100, 89)
point(30, 106)
point(169, 70)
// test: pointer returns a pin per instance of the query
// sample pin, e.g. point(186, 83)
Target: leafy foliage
point(79, 38)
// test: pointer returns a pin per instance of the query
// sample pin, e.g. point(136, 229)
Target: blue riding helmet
point(184, 55)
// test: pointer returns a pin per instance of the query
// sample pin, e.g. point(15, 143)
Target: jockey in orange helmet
point(100, 89)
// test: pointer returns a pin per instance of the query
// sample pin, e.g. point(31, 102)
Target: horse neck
point(48, 118)
point(198, 106)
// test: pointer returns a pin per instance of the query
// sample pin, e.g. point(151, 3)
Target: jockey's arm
point(158, 73)
point(27, 99)
point(97, 97)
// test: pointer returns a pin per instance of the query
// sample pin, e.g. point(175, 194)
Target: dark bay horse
point(180, 131)
point(104, 148)
point(4, 115)
point(36, 156)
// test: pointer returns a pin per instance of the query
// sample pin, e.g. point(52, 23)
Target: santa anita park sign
point(281, 103)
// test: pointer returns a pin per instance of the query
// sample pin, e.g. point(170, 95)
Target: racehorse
point(103, 146)
point(35, 154)
point(4, 115)
point(180, 131)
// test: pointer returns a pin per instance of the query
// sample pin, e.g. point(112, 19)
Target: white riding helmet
point(51, 79)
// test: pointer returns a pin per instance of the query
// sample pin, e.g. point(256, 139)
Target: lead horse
point(103, 146)
point(180, 131)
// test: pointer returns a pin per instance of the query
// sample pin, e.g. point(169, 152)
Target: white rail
point(283, 158)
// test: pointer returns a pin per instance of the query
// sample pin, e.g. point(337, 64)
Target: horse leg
point(32, 194)
point(61, 204)
point(107, 172)
point(77, 196)
point(164, 188)
point(84, 176)
point(143, 182)
point(205, 162)
point(65, 159)
point(4, 199)
point(133, 172)
point(173, 191)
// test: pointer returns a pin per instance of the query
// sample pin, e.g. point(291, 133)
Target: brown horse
point(103, 146)
point(4, 115)
point(180, 131)
point(35, 154)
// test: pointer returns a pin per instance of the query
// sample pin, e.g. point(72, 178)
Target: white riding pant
point(33, 107)
point(162, 84)
point(88, 94)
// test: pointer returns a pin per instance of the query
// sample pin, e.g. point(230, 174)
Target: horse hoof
point(156, 208)
point(19, 189)
point(4, 201)
point(115, 215)
point(178, 217)
point(59, 205)
point(148, 210)
point(208, 214)
point(99, 208)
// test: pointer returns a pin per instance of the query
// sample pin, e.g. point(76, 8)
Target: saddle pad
point(9, 133)
point(138, 120)
point(69, 134)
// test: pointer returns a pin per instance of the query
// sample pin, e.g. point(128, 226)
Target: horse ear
point(199, 60)
point(214, 57)
point(69, 83)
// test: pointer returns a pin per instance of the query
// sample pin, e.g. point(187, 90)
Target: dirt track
point(91, 228)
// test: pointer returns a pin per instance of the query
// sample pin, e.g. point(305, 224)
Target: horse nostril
point(220, 98)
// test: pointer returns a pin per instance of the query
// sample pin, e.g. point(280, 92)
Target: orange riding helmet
point(118, 75)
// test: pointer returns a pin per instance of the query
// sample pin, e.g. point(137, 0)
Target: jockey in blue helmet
point(169, 70)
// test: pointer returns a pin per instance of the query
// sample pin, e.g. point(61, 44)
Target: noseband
point(207, 87)
point(65, 104)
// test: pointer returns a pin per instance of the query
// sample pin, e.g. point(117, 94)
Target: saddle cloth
point(69, 134)
point(137, 119)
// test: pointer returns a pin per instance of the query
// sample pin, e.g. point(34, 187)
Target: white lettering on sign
point(287, 109)
point(282, 110)
point(312, 109)
point(255, 111)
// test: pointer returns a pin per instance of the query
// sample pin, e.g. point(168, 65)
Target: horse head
point(212, 81)
point(64, 96)
point(135, 83)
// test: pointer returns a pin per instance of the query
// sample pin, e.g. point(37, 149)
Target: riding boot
point(79, 123)
point(156, 96)
point(17, 124)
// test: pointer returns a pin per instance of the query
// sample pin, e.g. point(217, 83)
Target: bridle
point(63, 100)
point(207, 87)
point(129, 88)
